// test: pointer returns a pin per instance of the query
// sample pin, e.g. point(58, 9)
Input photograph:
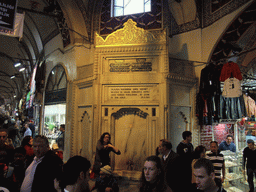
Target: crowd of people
point(35, 167)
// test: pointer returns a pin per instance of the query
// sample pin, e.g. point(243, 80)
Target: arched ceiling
point(40, 26)
point(44, 21)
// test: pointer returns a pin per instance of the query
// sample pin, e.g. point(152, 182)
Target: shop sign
point(7, 13)
point(54, 97)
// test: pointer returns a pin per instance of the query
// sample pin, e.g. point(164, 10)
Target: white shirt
point(166, 156)
point(29, 175)
point(28, 132)
point(232, 88)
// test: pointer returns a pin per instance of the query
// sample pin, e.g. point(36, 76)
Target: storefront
point(55, 103)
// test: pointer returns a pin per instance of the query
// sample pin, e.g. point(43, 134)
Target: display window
point(54, 117)
point(55, 107)
point(250, 130)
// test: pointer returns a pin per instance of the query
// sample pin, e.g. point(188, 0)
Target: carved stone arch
point(130, 126)
point(79, 24)
point(135, 111)
point(84, 129)
point(82, 119)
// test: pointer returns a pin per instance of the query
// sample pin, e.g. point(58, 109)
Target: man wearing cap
point(106, 181)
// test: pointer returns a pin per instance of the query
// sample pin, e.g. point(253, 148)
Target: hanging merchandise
point(230, 69)
point(249, 105)
point(232, 105)
point(208, 98)
point(232, 88)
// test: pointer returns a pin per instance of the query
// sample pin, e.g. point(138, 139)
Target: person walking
point(75, 175)
point(152, 177)
point(46, 166)
point(205, 177)
point(200, 152)
point(218, 162)
point(249, 158)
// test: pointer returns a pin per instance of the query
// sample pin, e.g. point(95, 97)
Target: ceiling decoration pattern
point(234, 32)
point(209, 17)
point(87, 15)
point(175, 29)
point(147, 20)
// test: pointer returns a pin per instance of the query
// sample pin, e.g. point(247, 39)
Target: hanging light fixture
point(17, 64)
point(21, 69)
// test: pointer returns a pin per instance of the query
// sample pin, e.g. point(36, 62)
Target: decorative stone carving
point(130, 34)
point(134, 111)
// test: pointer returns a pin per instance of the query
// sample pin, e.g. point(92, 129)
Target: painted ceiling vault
point(46, 19)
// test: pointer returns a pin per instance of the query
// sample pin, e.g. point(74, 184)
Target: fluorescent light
point(12, 77)
point(22, 69)
point(17, 64)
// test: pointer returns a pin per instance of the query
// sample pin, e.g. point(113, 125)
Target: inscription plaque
point(134, 65)
point(130, 93)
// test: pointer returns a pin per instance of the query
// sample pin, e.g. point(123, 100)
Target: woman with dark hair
point(198, 153)
point(26, 143)
point(152, 178)
point(104, 147)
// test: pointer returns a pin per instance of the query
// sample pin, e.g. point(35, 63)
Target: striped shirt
point(217, 161)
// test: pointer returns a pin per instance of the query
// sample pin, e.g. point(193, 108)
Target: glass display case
point(234, 179)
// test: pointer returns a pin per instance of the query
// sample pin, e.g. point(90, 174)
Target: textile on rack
point(208, 98)
point(232, 88)
point(230, 69)
point(232, 108)
point(249, 105)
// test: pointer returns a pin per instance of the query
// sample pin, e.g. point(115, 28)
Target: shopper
point(28, 131)
point(104, 147)
point(76, 175)
point(218, 162)
point(4, 144)
point(32, 128)
point(185, 150)
point(228, 144)
point(6, 171)
point(26, 143)
point(204, 174)
point(249, 158)
point(171, 164)
point(19, 165)
point(61, 137)
point(152, 178)
point(198, 153)
point(40, 175)
point(106, 181)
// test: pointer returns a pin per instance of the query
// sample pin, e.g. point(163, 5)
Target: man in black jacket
point(46, 166)
point(185, 149)
point(171, 164)
point(249, 155)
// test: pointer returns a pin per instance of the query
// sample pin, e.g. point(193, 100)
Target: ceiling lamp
point(21, 69)
point(17, 64)
point(12, 77)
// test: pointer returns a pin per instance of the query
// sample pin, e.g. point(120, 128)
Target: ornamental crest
point(130, 34)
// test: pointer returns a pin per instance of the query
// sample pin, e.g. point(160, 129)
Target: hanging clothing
point(208, 98)
point(232, 108)
point(232, 88)
point(230, 69)
point(249, 105)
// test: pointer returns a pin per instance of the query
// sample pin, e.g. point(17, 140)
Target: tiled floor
point(124, 185)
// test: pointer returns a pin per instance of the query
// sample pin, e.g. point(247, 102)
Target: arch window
point(55, 105)
point(128, 7)
point(57, 79)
